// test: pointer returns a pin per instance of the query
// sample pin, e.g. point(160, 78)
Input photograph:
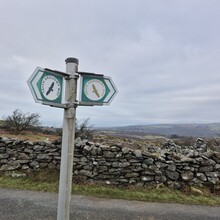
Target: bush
point(20, 121)
point(83, 130)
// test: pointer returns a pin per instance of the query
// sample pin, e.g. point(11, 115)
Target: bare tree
point(20, 121)
point(83, 130)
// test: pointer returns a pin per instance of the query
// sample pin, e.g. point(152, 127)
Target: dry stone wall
point(169, 164)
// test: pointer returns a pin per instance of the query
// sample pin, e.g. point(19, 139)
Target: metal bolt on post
point(69, 122)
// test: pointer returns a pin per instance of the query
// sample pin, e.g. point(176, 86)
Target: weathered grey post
point(69, 121)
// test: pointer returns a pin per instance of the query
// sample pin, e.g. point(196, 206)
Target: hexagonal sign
point(96, 89)
point(46, 86)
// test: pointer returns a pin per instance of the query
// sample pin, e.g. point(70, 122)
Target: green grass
point(48, 182)
point(42, 181)
point(147, 194)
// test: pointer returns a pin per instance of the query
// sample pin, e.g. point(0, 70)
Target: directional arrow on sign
point(47, 86)
point(96, 89)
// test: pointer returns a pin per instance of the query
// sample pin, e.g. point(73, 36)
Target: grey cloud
point(162, 55)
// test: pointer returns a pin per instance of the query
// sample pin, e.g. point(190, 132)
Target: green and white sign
point(96, 90)
point(46, 86)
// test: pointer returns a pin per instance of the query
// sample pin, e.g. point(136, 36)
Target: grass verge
point(49, 181)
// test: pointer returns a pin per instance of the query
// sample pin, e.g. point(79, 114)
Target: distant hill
point(189, 130)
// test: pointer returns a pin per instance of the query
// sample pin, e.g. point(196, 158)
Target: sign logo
point(50, 87)
point(94, 89)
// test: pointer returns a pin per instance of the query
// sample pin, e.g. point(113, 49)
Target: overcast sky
point(163, 56)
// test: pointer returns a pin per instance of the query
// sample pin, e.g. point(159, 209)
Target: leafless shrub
point(20, 121)
point(84, 130)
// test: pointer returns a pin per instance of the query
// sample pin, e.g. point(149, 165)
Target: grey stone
point(86, 173)
point(26, 150)
point(216, 160)
point(137, 169)
point(212, 174)
point(103, 163)
point(11, 152)
point(119, 155)
point(2, 150)
point(17, 175)
point(106, 176)
point(22, 161)
point(87, 149)
point(115, 148)
point(103, 168)
point(145, 166)
point(173, 175)
point(99, 151)
point(25, 167)
point(3, 161)
point(160, 164)
point(187, 168)
point(38, 148)
point(94, 151)
point(208, 162)
point(138, 153)
point(95, 163)
point(123, 180)
point(187, 159)
point(125, 150)
point(201, 176)
point(209, 154)
point(187, 175)
point(132, 181)
point(153, 167)
point(7, 140)
point(34, 165)
point(213, 180)
point(91, 143)
point(217, 166)
point(147, 178)
point(87, 167)
point(171, 167)
point(128, 156)
point(121, 165)
point(217, 155)
point(84, 159)
point(131, 175)
point(148, 161)
point(104, 147)
point(50, 150)
point(206, 169)
point(54, 154)
point(108, 154)
point(196, 181)
point(11, 166)
point(114, 171)
point(123, 160)
point(148, 172)
point(160, 178)
point(43, 157)
point(23, 156)
point(4, 156)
